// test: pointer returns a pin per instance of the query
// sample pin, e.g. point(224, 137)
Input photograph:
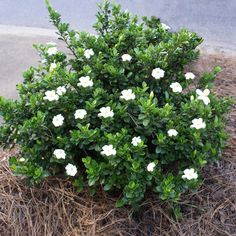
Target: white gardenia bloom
point(108, 150)
point(189, 75)
point(151, 94)
point(198, 124)
point(88, 53)
point(176, 87)
point(85, 82)
point(172, 132)
point(126, 57)
point(52, 51)
point(191, 98)
point(165, 27)
point(77, 36)
point(190, 174)
point(58, 120)
point(71, 170)
point(51, 43)
point(151, 166)
point(106, 112)
point(22, 159)
point(44, 61)
point(203, 95)
point(52, 67)
point(80, 114)
point(51, 96)
point(60, 154)
point(127, 94)
point(158, 73)
point(61, 90)
point(136, 141)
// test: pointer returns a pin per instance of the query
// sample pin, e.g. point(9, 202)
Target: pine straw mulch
point(55, 208)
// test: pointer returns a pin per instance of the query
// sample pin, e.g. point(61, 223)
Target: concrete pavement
point(17, 54)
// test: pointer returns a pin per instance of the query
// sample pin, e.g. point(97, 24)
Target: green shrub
point(118, 112)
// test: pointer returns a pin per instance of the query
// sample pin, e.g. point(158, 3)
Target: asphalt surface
point(215, 20)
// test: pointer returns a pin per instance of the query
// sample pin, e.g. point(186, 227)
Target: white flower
point(71, 170)
point(51, 96)
point(190, 174)
point(106, 112)
point(85, 82)
point(77, 36)
point(151, 166)
point(58, 120)
point(151, 94)
point(126, 57)
point(198, 124)
point(44, 61)
point(127, 94)
point(203, 95)
point(61, 90)
point(189, 75)
point(60, 154)
point(165, 27)
point(52, 51)
point(52, 67)
point(22, 159)
point(80, 114)
point(95, 35)
point(172, 132)
point(51, 44)
point(108, 150)
point(136, 141)
point(176, 87)
point(191, 98)
point(158, 73)
point(88, 53)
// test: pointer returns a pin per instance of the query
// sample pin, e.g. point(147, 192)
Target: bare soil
point(54, 208)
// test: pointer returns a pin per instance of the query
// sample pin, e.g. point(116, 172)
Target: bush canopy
point(119, 112)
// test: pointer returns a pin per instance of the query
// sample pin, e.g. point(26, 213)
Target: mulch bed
point(54, 208)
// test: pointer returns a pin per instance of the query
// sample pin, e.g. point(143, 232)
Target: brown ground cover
point(55, 208)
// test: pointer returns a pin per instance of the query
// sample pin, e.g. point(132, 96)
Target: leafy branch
point(64, 31)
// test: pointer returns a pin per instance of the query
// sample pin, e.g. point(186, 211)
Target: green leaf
point(107, 187)
point(91, 182)
point(158, 150)
point(120, 203)
point(146, 122)
point(135, 164)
